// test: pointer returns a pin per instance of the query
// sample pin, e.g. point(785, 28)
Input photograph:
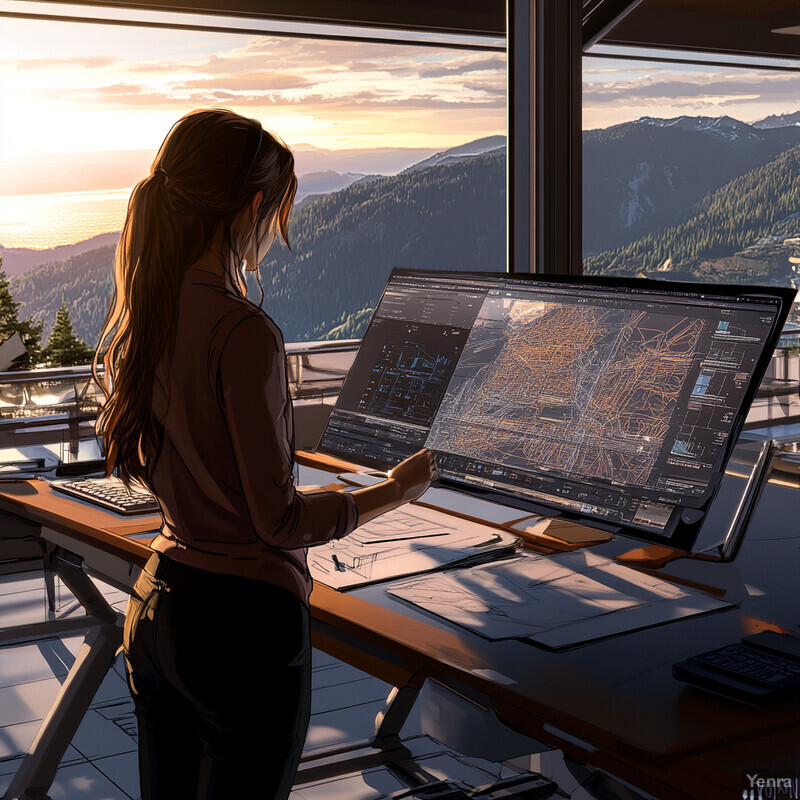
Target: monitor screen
point(611, 401)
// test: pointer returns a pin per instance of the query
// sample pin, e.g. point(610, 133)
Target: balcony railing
point(43, 406)
point(60, 404)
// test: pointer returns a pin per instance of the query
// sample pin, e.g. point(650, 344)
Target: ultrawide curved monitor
point(610, 401)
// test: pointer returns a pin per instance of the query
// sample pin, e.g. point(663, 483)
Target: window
point(400, 152)
point(692, 172)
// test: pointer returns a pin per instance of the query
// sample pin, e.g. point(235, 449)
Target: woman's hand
point(415, 474)
point(407, 481)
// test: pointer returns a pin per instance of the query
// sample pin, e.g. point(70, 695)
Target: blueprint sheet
point(405, 541)
point(557, 601)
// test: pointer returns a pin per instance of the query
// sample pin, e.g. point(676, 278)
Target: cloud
point(482, 65)
point(496, 88)
point(312, 75)
point(320, 59)
point(334, 92)
point(376, 100)
point(273, 81)
point(57, 63)
point(713, 89)
point(119, 90)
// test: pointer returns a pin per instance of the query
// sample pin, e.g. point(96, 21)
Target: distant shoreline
point(19, 260)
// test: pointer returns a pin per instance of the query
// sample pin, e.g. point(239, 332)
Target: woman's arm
point(407, 481)
point(253, 398)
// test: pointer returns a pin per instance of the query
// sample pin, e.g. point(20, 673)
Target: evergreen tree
point(64, 349)
point(29, 331)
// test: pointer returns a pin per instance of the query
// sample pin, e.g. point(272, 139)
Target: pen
point(339, 566)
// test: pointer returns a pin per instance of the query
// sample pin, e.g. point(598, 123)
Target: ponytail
point(148, 273)
point(197, 184)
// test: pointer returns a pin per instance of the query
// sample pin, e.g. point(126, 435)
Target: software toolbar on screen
point(616, 401)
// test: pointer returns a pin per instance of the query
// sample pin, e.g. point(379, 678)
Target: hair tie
point(161, 171)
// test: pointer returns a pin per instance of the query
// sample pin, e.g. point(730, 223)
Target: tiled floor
point(101, 762)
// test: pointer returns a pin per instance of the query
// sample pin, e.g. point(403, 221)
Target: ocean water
point(42, 221)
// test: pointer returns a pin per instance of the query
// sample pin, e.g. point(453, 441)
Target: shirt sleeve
point(253, 392)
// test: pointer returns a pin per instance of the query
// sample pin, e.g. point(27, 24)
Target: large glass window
point(691, 172)
point(400, 152)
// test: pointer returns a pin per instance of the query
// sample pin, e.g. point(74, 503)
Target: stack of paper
point(406, 541)
point(556, 601)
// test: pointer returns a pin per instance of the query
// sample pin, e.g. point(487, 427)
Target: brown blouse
point(224, 476)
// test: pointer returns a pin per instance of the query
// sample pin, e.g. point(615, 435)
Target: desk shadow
point(58, 656)
point(17, 488)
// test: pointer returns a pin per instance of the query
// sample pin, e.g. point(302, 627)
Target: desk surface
point(613, 703)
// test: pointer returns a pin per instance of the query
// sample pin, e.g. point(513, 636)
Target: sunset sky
point(90, 88)
point(84, 107)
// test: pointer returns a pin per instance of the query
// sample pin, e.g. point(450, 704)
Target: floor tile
point(20, 582)
point(98, 737)
point(47, 658)
point(355, 693)
point(23, 608)
point(122, 770)
point(15, 741)
point(343, 725)
point(370, 785)
point(26, 702)
point(84, 782)
point(320, 659)
point(337, 674)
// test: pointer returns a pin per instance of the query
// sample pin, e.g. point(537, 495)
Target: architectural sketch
point(402, 542)
point(534, 595)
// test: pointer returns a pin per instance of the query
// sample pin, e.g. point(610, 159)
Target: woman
point(197, 408)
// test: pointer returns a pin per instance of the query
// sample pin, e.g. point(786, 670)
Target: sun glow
point(86, 107)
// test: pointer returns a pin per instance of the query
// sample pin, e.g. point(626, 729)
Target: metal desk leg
point(384, 749)
point(389, 721)
point(48, 568)
point(95, 657)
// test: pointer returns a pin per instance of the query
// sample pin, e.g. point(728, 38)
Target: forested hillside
point(645, 175)
point(749, 217)
point(344, 245)
point(84, 282)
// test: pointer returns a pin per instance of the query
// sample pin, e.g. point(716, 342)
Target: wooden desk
point(612, 704)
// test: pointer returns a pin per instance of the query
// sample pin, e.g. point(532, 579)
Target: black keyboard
point(110, 494)
point(754, 665)
point(759, 670)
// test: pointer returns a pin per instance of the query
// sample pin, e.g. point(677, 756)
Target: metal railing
point(68, 397)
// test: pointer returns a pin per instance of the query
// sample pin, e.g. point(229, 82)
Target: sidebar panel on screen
point(402, 370)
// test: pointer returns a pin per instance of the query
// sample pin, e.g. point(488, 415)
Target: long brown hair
point(210, 166)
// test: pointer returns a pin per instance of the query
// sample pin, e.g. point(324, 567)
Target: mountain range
point(690, 197)
point(17, 260)
point(449, 214)
point(746, 231)
point(641, 176)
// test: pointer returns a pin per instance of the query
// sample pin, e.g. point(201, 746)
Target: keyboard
point(110, 494)
point(759, 667)
point(759, 670)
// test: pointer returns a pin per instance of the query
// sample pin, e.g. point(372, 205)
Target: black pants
point(219, 668)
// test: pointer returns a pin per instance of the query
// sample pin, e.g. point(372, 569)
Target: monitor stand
point(728, 518)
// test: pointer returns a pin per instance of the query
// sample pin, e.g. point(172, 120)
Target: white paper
point(360, 478)
point(513, 598)
point(645, 616)
point(404, 541)
point(557, 600)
